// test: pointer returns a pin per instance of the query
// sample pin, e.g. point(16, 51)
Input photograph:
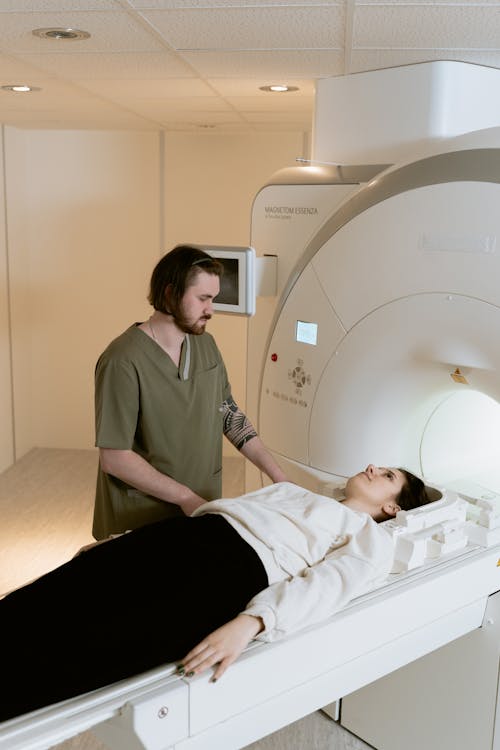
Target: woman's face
point(376, 484)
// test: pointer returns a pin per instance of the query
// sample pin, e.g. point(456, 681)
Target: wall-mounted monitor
point(237, 284)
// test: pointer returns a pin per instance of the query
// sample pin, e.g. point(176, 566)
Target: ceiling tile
point(272, 104)
point(144, 90)
point(205, 130)
point(27, 6)
point(197, 64)
point(426, 2)
point(289, 117)
point(164, 108)
point(13, 68)
point(110, 31)
point(283, 126)
point(363, 60)
point(54, 93)
point(271, 27)
point(200, 116)
point(176, 4)
point(427, 27)
point(65, 120)
point(71, 114)
point(116, 65)
point(250, 87)
point(268, 64)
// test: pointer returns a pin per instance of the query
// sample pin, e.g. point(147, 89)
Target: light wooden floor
point(46, 503)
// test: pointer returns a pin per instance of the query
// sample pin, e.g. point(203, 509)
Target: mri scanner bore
point(378, 316)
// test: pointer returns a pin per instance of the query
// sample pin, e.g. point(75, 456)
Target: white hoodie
point(318, 553)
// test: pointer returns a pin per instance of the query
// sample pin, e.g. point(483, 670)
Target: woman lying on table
point(195, 590)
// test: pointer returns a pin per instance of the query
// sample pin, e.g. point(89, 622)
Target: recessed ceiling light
point(61, 33)
point(20, 88)
point(279, 88)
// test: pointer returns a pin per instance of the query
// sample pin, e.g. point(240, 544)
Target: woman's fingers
point(221, 647)
point(203, 658)
point(222, 666)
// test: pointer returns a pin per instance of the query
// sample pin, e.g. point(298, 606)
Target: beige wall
point(21, 314)
point(6, 426)
point(90, 208)
point(89, 214)
point(210, 183)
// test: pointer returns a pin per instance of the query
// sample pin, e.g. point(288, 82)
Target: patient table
point(445, 584)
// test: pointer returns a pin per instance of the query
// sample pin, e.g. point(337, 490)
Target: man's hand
point(135, 471)
point(222, 647)
point(190, 504)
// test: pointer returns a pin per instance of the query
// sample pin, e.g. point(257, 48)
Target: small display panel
point(237, 283)
point(229, 287)
point(306, 333)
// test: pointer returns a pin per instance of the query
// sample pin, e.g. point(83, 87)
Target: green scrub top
point(171, 416)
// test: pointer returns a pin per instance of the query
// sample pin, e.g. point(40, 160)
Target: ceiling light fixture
point(20, 88)
point(61, 33)
point(279, 88)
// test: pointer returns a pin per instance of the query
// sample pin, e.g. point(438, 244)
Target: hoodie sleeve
point(322, 589)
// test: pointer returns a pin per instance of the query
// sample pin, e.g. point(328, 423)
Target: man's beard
point(187, 326)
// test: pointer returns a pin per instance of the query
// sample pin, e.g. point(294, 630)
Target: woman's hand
point(221, 647)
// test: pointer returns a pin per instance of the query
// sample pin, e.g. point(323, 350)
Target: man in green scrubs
point(163, 402)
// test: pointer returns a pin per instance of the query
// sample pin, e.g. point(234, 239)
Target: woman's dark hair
point(178, 270)
point(414, 492)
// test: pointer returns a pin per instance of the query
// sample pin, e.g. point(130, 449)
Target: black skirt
point(125, 606)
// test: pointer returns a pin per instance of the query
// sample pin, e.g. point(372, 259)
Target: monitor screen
point(237, 284)
point(229, 288)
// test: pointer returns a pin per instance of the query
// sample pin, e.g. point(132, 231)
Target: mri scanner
point(382, 345)
point(379, 344)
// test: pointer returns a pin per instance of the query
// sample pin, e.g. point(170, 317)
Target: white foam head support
point(428, 531)
point(490, 503)
point(450, 508)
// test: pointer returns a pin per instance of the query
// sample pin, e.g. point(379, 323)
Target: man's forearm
point(242, 434)
point(131, 468)
point(258, 454)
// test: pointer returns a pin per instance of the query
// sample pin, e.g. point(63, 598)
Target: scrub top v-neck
point(171, 416)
